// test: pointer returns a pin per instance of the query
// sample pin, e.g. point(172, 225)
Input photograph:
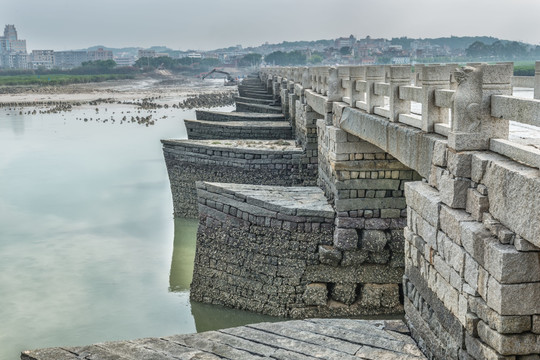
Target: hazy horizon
point(212, 24)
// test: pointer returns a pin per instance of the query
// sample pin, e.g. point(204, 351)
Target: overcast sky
point(210, 24)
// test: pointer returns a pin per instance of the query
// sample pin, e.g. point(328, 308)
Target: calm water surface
point(89, 250)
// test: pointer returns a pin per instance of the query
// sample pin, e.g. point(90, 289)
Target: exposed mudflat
point(165, 90)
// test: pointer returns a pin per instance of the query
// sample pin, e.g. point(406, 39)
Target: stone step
point(233, 130)
point(236, 116)
point(249, 100)
point(301, 339)
point(266, 109)
point(256, 94)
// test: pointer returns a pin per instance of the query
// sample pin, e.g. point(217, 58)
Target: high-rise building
point(12, 50)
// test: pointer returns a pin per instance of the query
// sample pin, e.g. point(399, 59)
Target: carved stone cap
point(374, 73)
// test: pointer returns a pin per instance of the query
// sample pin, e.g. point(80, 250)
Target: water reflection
point(214, 317)
point(185, 234)
point(207, 317)
point(17, 124)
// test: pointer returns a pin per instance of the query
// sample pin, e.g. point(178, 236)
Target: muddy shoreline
point(168, 90)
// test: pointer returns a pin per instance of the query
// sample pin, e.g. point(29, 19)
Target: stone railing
point(425, 99)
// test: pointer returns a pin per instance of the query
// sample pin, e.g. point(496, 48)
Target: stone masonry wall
point(236, 116)
point(306, 135)
point(365, 185)
point(254, 254)
point(252, 162)
point(472, 280)
point(265, 109)
point(263, 130)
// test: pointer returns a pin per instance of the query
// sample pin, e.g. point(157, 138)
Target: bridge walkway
point(302, 339)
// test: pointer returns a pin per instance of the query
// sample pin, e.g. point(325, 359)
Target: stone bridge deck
point(304, 339)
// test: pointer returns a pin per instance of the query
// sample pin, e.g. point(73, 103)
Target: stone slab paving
point(236, 116)
point(301, 339)
point(292, 200)
point(242, 124)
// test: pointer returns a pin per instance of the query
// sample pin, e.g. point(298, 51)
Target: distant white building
point(69, 59)
point(125, 60)
point(100, 54)
point(401, 60)
point(12, 50)
point(41, 58)
point(142, 53)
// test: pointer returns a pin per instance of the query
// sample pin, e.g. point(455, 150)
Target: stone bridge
point(428, 201)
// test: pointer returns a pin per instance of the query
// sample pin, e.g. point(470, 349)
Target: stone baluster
point(297, 77)
point(306, 78)
point(418, 74)
point(452, 67)
point(356, 73)
point(333, 85)
point(373, 74)
point(344, 82)
point(399, 76)
point(276, 87)
point(433, 77)
point(269, 82)
point(537, 80)
point(472, 123)
point(387, 73)
point(314, 72)
point(324, 73)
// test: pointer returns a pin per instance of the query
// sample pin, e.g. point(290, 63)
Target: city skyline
point(211, 24)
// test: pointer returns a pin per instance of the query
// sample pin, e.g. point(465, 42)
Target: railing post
point(537, 80)
point(373, 74)
point(344, 83)
point(418, 74)
point(472, 123)
point(433, 77)
point(399, 75)
point(333, 85)
point(306, 78)
point(356, 73)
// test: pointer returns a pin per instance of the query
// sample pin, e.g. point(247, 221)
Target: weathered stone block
point(478, 350)
point(523, 245)
point(536, 324)
point(345, 293)
point(459, 163)
point(453, 191)
point(439, 153)
point(451, 252)
point(373, 240)
point(509, 266)
point(474, 237)
point(315, 294)
point(514, 299)
point(501, 323)
point(477, 204)
point(450, 222)
point(329, 255)
point(354, 257)
point(514, 197)
point(345, 239)
point(375, 296)
point(425, 200)
point(522, 344)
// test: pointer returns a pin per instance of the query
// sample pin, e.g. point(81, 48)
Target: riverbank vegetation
point(58, 79)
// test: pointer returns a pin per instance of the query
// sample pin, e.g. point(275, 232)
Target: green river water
point(89, 249)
